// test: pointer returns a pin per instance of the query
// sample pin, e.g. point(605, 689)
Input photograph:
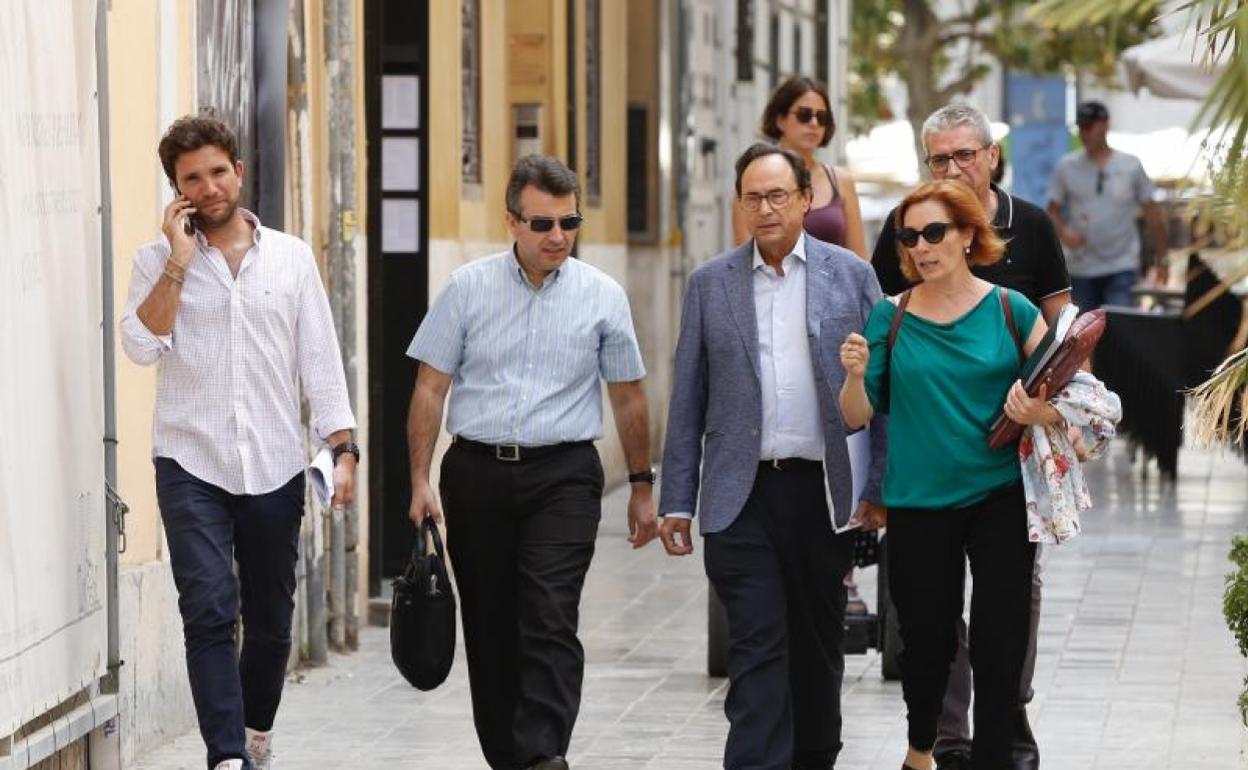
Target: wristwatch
point(344, 448)
point(649, 476)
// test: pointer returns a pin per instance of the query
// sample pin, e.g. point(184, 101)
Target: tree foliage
point(939, 57)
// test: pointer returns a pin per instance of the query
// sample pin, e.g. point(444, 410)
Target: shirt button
point(754, 432)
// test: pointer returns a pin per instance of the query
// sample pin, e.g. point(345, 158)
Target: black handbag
point(422, 614)
point(866, 548)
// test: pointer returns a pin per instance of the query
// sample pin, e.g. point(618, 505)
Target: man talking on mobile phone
point(235, 318)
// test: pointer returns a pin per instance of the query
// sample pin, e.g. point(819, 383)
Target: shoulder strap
point(836, 188)
point(1004, 295)
point(898, 316)
point(893, 328)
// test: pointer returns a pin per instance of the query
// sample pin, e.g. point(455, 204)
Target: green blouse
point(948, 383)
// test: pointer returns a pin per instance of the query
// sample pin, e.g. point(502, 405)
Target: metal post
point(340, 270)
point(114, 509)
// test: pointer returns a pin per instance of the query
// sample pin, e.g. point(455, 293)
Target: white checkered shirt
point(227, 394)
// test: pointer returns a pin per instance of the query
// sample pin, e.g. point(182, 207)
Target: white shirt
point(228, 377)
point(791, 425)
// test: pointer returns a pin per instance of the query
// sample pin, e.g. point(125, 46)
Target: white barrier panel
point(52, 580)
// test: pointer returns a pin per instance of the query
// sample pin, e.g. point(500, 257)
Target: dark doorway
point(397, 33)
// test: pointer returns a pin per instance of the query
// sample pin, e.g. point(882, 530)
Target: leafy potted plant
point(1235, 607)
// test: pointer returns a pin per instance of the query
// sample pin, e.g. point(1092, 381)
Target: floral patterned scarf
point(1053, 480)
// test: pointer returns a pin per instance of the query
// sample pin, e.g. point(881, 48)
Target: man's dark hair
point(762, 149)
point(544, 172)
point(782, 100)
point(191, 132)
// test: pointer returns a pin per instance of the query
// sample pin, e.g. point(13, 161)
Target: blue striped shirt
point(525, 362)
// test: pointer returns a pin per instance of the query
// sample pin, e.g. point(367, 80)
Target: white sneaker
point(260, 749)
point(230, 764)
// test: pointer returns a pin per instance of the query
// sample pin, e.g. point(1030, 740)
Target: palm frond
point(1071, 14)
point(1214, 402)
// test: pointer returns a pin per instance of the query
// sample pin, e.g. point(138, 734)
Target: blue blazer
point(716, 411)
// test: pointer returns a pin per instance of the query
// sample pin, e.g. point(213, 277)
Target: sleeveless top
point(827, 223)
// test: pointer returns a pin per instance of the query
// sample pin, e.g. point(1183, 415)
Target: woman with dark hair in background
point(798, 117)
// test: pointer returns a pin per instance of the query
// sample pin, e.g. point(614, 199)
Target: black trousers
point(928, 549)
point(779, 571)
point(521, 536)
point(208, 529)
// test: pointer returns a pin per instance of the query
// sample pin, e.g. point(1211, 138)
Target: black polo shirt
point(1033, 263)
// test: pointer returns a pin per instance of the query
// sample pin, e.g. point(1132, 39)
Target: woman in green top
point(953, 367)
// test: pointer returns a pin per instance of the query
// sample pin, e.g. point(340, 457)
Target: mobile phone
point(190, 223)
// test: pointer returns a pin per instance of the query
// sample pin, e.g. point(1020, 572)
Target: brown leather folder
point(1056, 373)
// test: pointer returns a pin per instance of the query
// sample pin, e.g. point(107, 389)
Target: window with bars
point(745, 40)
point(470, 72)
point(593, 101)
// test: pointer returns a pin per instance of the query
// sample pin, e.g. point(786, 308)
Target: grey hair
point(955, 115)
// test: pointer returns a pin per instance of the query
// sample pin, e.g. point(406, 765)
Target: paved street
point(1136, 667)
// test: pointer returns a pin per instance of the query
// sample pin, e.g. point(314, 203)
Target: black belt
point(514, 453)
point(790, 464)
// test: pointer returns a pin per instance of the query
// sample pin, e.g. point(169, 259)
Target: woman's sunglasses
point(932, 232)
point(806, 114)
point(546, 224)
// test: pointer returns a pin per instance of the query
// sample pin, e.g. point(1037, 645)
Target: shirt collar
point(249, 217)
point(518, 274)
point(799, 251)
point(1004, 218)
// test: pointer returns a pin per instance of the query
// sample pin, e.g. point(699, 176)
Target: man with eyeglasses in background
point(959, 144)
point(521, 340)
point(1093, 198)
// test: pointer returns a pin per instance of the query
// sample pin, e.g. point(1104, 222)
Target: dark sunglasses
point(546, 224)
point(932, 232)
point(805, 114)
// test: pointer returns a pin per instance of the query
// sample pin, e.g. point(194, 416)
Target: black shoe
point(555, 763)
point(954, 760)
point(1026, 754)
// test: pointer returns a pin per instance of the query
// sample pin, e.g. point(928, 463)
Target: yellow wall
point(523, 59)
point(137, 179)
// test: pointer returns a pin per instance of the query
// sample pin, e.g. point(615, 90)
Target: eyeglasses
point(777, 198)
point(939, 164)
point(806, 114)
point(546, 224)
point(1100, 181)
point(932, 232)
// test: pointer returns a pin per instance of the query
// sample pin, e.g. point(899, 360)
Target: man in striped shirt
point(521, 340)
point(235, 318)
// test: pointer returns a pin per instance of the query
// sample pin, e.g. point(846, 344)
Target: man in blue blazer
point(756, 446)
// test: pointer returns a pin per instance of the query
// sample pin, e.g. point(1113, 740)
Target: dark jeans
point(779, 570)
point(521, 536)
point(1113, 289)
point(928, 549)
point(208, 529)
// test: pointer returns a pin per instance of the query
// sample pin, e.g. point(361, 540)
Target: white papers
point(859, 445)
point(1049, 344)
point(321, 475)
point(859, 448)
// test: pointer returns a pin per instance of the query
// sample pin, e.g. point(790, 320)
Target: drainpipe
point(311, 538)
point(115, 509)
point(340, 277)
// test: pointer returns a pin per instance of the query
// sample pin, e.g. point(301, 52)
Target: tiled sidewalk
point(1136, 668)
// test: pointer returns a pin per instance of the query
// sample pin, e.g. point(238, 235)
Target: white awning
point(1170, 66)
